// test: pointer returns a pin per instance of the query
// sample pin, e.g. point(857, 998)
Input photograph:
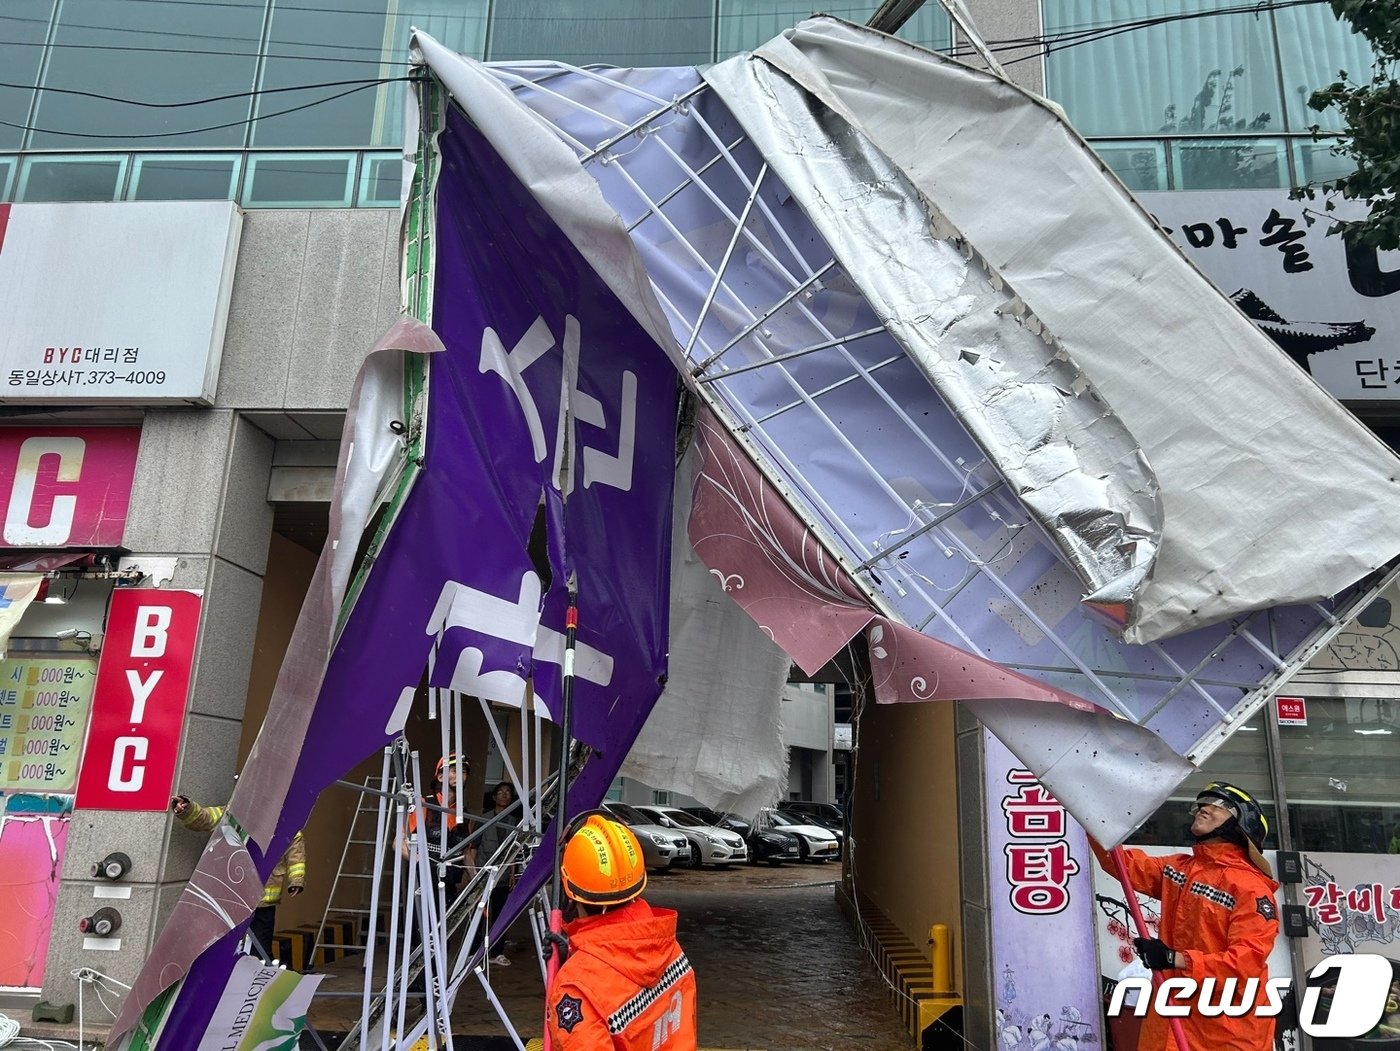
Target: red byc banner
point(66, 487)
point(138, 704)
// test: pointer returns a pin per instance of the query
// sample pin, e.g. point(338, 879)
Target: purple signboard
point(1044, 972)
point(550, 414)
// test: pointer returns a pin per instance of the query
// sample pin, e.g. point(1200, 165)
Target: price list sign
point(44, 705)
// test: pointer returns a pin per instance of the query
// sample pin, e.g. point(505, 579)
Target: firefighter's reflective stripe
point(633, 1008)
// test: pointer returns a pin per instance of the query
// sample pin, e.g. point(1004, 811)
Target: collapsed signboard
point(942, 461)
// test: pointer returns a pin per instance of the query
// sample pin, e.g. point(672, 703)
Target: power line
point(212, 127)
point(212, 98)
point(1044, 45)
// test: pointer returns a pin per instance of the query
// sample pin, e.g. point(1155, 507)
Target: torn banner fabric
point(548, 406)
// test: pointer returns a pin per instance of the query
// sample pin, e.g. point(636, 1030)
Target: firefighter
point(626, 985)
point(1219, 917)
point(290, 871)
point(448, 775)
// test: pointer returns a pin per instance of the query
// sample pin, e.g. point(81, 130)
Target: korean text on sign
point(44, 705)
point(1038, 860)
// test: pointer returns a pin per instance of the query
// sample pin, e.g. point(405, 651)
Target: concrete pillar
point(972, 868)
point(1010, 20)
point(200, 496)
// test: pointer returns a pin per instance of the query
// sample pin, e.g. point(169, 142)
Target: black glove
point(1155, 954)
point(552, 938)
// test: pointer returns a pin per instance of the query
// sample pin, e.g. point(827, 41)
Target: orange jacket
point(1218, 911)
point(626, 985)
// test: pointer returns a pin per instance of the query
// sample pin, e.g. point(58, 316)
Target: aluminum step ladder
point(349, 898)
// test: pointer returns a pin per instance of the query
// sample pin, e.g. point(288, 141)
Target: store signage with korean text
point(115, 302)
point(139, 703)
point(1292, 711)
point(44, 704)
point(1041, 909)
point(66, 487)
point(1333, 308)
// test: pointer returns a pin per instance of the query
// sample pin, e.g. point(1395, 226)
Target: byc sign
point(139, 700)
point(1359, 998)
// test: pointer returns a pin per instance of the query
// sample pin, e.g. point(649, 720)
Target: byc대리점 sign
point(115, 302)
point(139, 701)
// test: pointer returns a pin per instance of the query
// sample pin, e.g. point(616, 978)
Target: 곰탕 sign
point(66, 487)
point(138, 705)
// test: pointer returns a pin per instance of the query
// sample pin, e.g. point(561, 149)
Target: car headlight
point(660, 841)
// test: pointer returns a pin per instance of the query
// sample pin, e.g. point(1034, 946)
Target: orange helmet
point(461, 762)
point(603, 863)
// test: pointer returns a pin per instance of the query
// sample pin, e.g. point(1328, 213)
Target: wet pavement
point(777, 964)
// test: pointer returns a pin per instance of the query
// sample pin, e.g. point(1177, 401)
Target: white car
point(814, 842)
point(661, 847)
point(709, 844)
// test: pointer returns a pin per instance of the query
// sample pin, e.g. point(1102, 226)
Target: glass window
point(288, 180)
point(456, 24)
point(71, 178)
point(1316, 46)
point(196, 177)
point(744, 24)
point(611, 32)
point(343, 44)
point(118, 53)
point(7, 176)
point(1140, 165)
point(1342, 774)
point(1229, 164)
point(24, 24)
point(1243, 760)
point(1315, 162)
point(1204, 73)
point(381, 181)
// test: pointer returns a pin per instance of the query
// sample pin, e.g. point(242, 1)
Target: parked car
point(721, 820)
point(708, 844)
point(772, 845)
point(661, 847)
point(814, 842)
point(828, 815)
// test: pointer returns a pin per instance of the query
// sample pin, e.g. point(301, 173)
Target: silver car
point(814, 842)
point(709, 845)
point(661, 847)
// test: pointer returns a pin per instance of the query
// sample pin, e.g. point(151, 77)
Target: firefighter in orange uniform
point(626, 984)
point(1219, 918)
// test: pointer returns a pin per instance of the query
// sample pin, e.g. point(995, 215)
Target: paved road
point(777, 965)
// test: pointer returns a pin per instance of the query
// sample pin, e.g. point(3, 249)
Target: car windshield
point(629, 816)
point(680, 817)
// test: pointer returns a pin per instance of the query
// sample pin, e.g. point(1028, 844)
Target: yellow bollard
point(941, 951)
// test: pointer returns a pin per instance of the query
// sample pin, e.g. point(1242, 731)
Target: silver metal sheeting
point(1272, 492)
point(1068, 459)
